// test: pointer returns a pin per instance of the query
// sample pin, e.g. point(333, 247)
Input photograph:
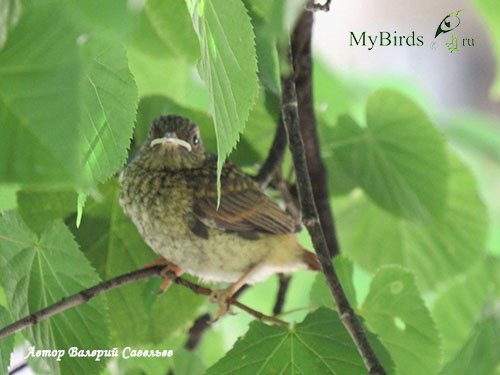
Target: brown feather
point(243, 206)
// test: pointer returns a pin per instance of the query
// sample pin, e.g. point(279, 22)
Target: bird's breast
point(159, 204)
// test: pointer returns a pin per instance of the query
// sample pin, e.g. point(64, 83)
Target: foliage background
point(415, 193)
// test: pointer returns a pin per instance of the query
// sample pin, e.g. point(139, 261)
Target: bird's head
point(173, 142)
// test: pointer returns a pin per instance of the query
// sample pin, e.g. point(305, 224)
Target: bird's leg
point(222, 297)
point(169, 267)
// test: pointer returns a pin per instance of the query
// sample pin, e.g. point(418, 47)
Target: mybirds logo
point(447, 25)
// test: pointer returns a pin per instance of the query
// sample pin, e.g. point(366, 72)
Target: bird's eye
point(195, 140)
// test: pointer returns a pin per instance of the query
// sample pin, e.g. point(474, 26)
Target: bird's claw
point(222, 298)
point(169, 268)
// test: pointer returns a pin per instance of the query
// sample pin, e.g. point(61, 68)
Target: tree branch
point(302, 65)
point(284, 283)
point(311, 220)
point(274, 157)
point(86, 295)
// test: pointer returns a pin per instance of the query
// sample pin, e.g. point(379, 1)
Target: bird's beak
point(170, 139)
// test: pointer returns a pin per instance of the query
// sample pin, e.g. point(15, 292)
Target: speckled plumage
point(170, 194)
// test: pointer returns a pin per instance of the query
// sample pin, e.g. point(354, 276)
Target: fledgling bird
point(170, 192)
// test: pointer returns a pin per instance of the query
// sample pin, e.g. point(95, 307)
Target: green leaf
point(318, 345)
point(281, 15)
point(171, 22)
point(267, 53)
point(481, 353)
point(457, 308)
point(170, 77)
point(399, 159)
point(145, 39)
point(491, 13)
point(113, 245)
point(6, 344)
point(477, 139)
point(333, 94)
point(113, 20)
point(260, 129)
point(340, 181)
point(396, 312)
point(229, 66)
point(8, 198)
point(39, 91)
point(186, 362)
point(110, 102)
point(39, 271)
point(37, 208)
point(435, 251)
point(320, 293)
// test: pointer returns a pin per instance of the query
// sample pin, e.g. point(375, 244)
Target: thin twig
point(258, 314)
point(302, 65)
point(274, 157)
point(86, 295)
point(284, 283)
point(310, 219)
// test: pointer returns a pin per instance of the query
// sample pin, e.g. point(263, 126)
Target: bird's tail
point(311, 261)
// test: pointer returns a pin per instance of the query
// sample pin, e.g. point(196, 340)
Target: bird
point(169, 191)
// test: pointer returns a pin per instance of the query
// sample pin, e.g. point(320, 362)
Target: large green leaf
point(39, 100)
point(6, 344)
point(477, 137)
point(113, 20)
point(399, 158)
point(457, 308)
point(109, 106)
point(481, 352)
point(267, 53)
point(228, 65)
point(170, 20)
point(281, 15)
point(435, 251)
point(145, 39)
point(396, 312)
point(39, 271)
point(113, 245)
point(334, 95)
point(37, 208)
point(170, 77)
point(318, 345)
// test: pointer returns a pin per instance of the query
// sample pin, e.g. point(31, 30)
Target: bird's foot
point(222, 297)
point(165, 272)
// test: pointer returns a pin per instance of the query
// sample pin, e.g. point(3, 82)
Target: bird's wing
point(243, 206)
